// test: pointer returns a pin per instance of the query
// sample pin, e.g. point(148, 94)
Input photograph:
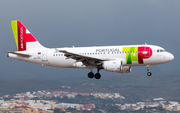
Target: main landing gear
point(148, 69)
point(97, 75)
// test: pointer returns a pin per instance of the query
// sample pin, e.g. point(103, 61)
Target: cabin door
point(44, 56)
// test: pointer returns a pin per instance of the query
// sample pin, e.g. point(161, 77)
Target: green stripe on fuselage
point(131, 54)
point(15, 31)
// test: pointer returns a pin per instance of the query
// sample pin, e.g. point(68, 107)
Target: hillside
point(137, 86)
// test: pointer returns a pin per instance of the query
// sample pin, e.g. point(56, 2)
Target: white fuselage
point(52, 57)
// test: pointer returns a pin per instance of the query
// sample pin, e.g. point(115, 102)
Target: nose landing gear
point(148, 69)
point(149, 73)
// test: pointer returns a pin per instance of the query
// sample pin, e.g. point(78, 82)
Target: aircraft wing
point(86, 60)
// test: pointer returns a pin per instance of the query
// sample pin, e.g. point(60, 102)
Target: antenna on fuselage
point(145, 43)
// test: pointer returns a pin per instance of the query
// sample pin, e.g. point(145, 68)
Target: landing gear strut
point(148, 69)
point(97, 75)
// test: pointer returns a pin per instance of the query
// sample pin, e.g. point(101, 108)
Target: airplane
point(119, 59)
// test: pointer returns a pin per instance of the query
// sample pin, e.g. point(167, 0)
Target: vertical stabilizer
point(23, 38)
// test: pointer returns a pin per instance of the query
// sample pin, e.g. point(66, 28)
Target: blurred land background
point(135, 87)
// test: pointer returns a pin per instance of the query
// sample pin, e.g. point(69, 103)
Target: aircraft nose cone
point(171, 56)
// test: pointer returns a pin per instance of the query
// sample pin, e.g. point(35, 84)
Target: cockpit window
point(161, 50)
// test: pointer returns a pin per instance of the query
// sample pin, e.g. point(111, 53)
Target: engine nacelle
point(116, 66)
point(113, 66)
point(125, 69)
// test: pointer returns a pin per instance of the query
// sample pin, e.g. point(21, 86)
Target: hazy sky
point(59, 23)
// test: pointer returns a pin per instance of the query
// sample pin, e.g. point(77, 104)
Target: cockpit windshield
point(161, 50)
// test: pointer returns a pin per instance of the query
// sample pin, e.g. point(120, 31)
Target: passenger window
point(158, 50)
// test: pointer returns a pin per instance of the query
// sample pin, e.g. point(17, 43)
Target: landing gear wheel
point(97, 76)
point(90, 74)
point(149, 73)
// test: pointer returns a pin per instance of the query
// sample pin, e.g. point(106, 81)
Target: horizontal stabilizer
point(20, 54)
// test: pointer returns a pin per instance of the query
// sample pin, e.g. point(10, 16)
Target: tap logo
point(21, 35)
point(137, 54)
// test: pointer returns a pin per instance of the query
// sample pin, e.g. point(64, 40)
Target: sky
point(63, 23)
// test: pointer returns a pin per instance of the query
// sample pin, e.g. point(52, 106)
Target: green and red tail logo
point(21, 35)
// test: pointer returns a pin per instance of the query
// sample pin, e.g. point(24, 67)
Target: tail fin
point(24, 39)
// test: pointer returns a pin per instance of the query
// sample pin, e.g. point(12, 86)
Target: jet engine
point(125, 69)
point(116, 66)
